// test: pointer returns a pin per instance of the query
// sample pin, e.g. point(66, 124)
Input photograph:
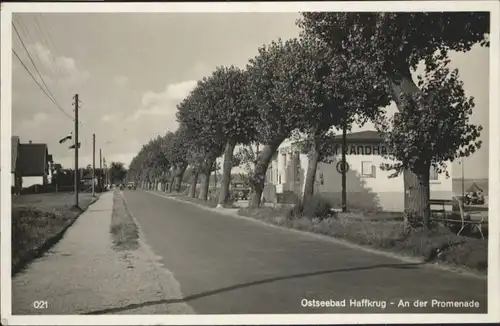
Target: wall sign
point(342, 167)
point(354, 149)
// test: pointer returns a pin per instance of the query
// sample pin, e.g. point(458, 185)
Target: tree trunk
point(226, 172)
point(313, 157)
point(204, 186)
point(416, 183)
point(194, 182)
point(177, 184)
point(171, 184)
point(205, 182)
point(178, 178)
point(417, 197)
point(263, 161)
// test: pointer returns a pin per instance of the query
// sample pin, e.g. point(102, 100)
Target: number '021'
point(40, 304)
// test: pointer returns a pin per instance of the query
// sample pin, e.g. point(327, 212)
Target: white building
point(368, 187)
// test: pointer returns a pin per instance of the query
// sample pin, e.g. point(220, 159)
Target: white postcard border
point(494, 162)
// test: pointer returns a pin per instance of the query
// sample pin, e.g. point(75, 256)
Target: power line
point(40, 86)
point(34, 65)
point(46, 38)
point(51, 46)
point(27, 35)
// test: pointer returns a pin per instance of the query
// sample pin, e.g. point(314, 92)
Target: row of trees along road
point(344, 69)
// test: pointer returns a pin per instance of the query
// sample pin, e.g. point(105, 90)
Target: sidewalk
point(84, 274)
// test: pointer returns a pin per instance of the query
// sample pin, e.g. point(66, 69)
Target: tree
point(151, 163)
point(332, 93)
point(134, 171)
point(226, 115)
point(246, 158)
point(192, 114)
point(300, 86)
point(117, 172)
point(272, 77)
point(139, 165)
point(423, 139)
point(175, 149)
point(393, 44)
point(194, 157)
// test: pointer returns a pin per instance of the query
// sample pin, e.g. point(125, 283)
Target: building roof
point(367, 136)
point(360, 137)
point(33, 159)
point(14, 153)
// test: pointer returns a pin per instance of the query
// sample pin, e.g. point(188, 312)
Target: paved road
point(230, 265)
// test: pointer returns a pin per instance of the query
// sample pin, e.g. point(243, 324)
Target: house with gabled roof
point(30, 163)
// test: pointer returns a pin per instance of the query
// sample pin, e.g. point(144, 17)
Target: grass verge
point(36, 228)
point(437, 245)
point(123, 229)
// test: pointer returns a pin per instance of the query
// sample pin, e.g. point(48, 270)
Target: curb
point(462, 271)
point(49, 242)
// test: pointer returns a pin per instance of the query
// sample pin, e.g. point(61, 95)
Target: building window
point(434, 174)
point(279, 178)
point(321, 179)
point(368, 170)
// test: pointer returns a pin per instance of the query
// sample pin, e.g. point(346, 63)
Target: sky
point(131, 70)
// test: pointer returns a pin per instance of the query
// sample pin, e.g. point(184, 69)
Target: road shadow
point(246, 285)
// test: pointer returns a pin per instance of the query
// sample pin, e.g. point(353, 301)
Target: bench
point(442, 203)
point(465, 217)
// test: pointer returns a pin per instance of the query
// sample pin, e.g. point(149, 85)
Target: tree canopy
point(438, 134)
point(117, 172)
point(392, 44)
point(397, 41)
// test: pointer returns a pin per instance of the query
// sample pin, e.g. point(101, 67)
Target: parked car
point(239, 191)
point(131, 186)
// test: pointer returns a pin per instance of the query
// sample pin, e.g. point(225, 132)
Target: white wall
point(379, 192)
point(29, 181)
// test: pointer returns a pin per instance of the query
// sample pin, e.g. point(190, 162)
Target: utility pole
point(93, 165)
point(77, 171)
point(101, 181)
point(344, 168)
point(105, 165)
